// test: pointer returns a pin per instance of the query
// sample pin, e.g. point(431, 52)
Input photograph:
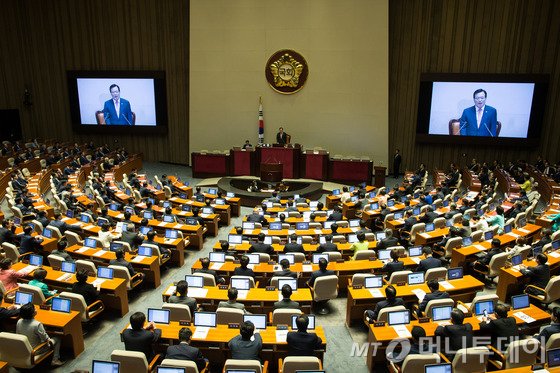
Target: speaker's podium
point(287, 156)
point(272, 172)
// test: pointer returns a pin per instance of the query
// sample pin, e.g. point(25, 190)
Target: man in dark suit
point(480, 119)
point(139, 337)
point(553, 328)
point(281, 136)
point(117, 110)
point(121, 261)
point(7, 231)
point(183, 351)
point(394, 265)
point(538, 275)
point(293, 246)
point(429, 216)
point(247, 345)
point(131, 237)
point(457, 335)
point(58, 223)
point(336, 215)
point(390, 301)
point(144, 191)
point(502, 330)
point(205, 263)
point(286, 302)
point(430, 262)
point(494, 249)
point(260, 246)
point(388, 241)
point(255, 217)
point(409, 221)
point(285, 271)
point(328, 245)
point(396, 163)
point(302, 343)
point(243, 270)
point(30, 243)
point(323, 271)
point(435, 293)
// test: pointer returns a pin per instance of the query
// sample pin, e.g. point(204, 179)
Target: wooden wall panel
point(41, 40)
point(461, 36)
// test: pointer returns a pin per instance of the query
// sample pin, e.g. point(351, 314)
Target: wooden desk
point(385, 334)
point(351, 170)
point(360, 300)
point(113, 292)
point(209, 164)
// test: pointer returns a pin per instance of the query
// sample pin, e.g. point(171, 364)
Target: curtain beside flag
point(261, 122)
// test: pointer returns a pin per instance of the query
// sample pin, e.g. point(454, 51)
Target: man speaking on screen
point(480, 119)
point(117, 110)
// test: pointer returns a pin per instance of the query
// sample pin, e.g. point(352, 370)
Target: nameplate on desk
point(271, 288)
point(281, 335)
point(376, 293)
point(161, 224)
point(402, 331)
point(45, 307)
point(137, 259)
point(479, 247)
point(222, 287)
point(82, 249)
point(340, 260)
point(446, 285)
point(184, 323)
point(554, 254)
point(216, 266)
point(356, 287)
point(526, 231)
point(420, 294)
point(401, 283)
point(423, 320)
point(524, 317)
point(378, 324)
point(201, 332)
point(511, 234)
point(415, 259)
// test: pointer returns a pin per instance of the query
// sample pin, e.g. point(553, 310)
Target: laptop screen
point(317, 256)
point(35, 260)
point(23, 298)
point(47, 233)
point(171, 234)
point(449, 223)
point(311, 325)
point(145, 230)
point(191, 221)
point(415, 251)
point(220, 201)
point(398, 215)
point(69, 267)
point(144, 251)
point(437, 368)
point(217, 257)
point(520, 301)
point(195, 281)
point(374, 206)
point(430, 227)
point(441, 313)
point(248, 225)
point(553, 357)
point(416, 211)
point(415, 278)
point(205, 319)
point(105, 272)
point(507, 228)
point(230, 194)
point(455, 273)
point(391, 203)
point(467, 241)
point(372, 282)
point(327, 224)
point(253, 258)
point(61, 304)
point(168, 218)
point(352, 238)
point(84, 218)
point(70, 213)
point(399, 318)
point(292, 282)
point(380, 236)
point(488, 235)
point(114, 246)
point(186, 207)
point(555, 244)
point(99, 366)
point(163, 369)
point(275, 226)
point(486, 305)
point(114, 207)
point(313, 204)
point(516, 260)
point(302, 226)
point(258, 320)
point(148, 215)
point(207, 210)
point(268, 240)
point(336, 192)
point(240, 283)
point(101, 221)
point(158, 316)
point(235, 239)
point(90, 242)
point(384, 254)
point(166, 204)
point(212, 191)
point(290, 257)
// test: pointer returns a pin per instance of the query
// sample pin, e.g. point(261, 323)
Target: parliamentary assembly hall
point(251, 186)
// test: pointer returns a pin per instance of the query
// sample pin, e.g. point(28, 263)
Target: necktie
point(479, 116)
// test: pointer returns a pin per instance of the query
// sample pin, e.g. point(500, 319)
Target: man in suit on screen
point(480, 119)
point(117, 110)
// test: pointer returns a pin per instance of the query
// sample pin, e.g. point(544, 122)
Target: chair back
point(15, 349)
point(263, 257)
point(470, 360)
point(292, 364)
point(283, 316)
point(55, 232)
point(438, 303)
point(37, 226)
point(435, 273)
point(553, 342)
point(325, 287)
point(451, 244)
point(342, 223)
point(333, 255)
point(384, 313)
point(229, 315)
point(131, 361)
point(274, 280)
point(498, 261)
point(519, 216)
point(238, 364)
point(251, 280)
point(38, 296)
point(190, 366)
point(338, 238)
point(87, 265)
point(178, 312)
point(552, 290)
point(122, 272)
point(167, 191)
point(73, 238)
point(209, 280)
point(358, 279)
point(476, 236)
point(480, 298)
point(416, 228)
point(415, 363)
point(78, 303)
point(55, 261)
point(125, 245)
point(399, 276)
point(365, 254)
point(439, 222)
point(521, 353)
point(11, 251)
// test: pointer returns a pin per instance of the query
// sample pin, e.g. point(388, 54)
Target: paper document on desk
point(514, 235)
point(82, 249)
point(178, 226)
point(89, 227)
point(100, 253)
point(216, 266)
point(251, 266)
point(376, 293)
point(65, 219)
point(264, 231)
point(415, 259)
point(446, 285)
point(171, 290)
point(248, 231)
point(137, 259)
point(161, 224)
point(27, 269)
point(98, 282)
point(197, 292)
point(479, 247)
point(420, 294)
point(201, 332)
point(554, 254)
point(307, 268)
point(281, 336)
point(64, 277)
point(523, 316)
point(242, 294)
point(402, 331)
point(318, 231)
point(526, 231)
point(354, 229)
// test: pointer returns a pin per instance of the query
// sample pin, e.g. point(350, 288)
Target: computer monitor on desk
point(159, 316)
point(100, 366)
point(399, 318)
point(205, 319)
point(258, 320)
point(484, 306)
point(438, 368)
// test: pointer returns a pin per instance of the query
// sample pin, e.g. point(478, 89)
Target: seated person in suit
point(88, 291)
point(285, 272)
point(388, 241)
point(336, 215)
point(409, 221)
point(150, 239)
point(121, 261)
point(293, 246)
point(255, 217)
point(538, 275)
point(30, 243)
point(390, 301)
point(243, 270)
point(260, 246)
point(181, 296)
point(551, 329)
point(61, 251)
point(199, 219)
point(39, 276)
point(418, 345)
point(205, 263)
point(131, 237)
point(322, 271)
point(435, 293)
point(42, 218)
point(7, 232)
point(453, 232)
point(394, 265)
point(361, 245)
point(429, 216)
point(457, 335)
point(247, 345)
point(286, 302)
point(302, 343)
point(232, 301)
point(328, 245)
point(430, 262)
point(502, 329)
point(545, 238)
point(184, 351)
point(139, 337)
point(363, 227)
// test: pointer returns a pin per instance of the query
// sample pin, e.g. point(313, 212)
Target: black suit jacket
point(281, 138)
point(501, 328)
point(294, 247)
point(141, 341)
point(327, 246)
point(260, 247)
point(408, 223)
point(302, 343)
point(538, 275)
point(244, 272)
point(391, 267)
point(183, 351)
point(548, 331)
point(383, 304)
point(431, 296)
point(335, 216)
point(29, 243)
point(285, 273)
point(486, 258)
point(86, 290)
point(387, 243)
point(429, 217)
point(429, 263)
point(316, 274)
point(457, 336)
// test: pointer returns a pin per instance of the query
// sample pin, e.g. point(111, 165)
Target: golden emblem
point(286, 71)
